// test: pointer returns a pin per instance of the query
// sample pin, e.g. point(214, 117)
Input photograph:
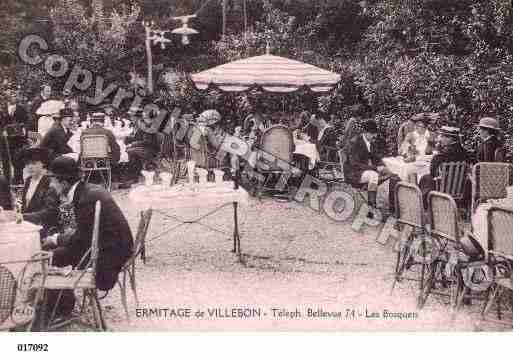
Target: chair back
point(142, 231)
point(500, 228)
point(408, 205)
point(277, 141)
point(94, 146)
point(452, 179)
point(500, 154)
point(443, 214)
point(8, 286)
point(489, 181)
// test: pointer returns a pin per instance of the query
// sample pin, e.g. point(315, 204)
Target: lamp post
point(157, 36)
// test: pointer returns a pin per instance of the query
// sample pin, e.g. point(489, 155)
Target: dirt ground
point(294, 260)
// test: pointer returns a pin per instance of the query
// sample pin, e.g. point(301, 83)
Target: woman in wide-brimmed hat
point(488, 132)
point(40, 202)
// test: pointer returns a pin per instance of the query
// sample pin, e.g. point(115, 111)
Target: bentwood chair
point(412, 249)
point(129, 267)
point(21, 293)
point(82, 278)
point(489, 181)
point(95, 157)
point(500, 228)
point(453, 253)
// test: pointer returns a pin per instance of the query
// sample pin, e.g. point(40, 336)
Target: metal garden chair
point(500, 227)
point(21, 293)
point(81, 278)
point(95, 157)
point(129, 267)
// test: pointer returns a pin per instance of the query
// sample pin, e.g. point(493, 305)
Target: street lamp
point(157, 36)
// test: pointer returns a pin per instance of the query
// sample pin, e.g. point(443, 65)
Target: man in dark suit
point(364, 165)
point(450, 151)
point(97, 128)
point(57, 137)
point(488, 130)
point(44, 95)
point(40, 202)
point(115, 237)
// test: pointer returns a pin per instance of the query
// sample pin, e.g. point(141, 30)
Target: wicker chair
point(489, 181)
point(449, 245)
point(16, 291)
point(500, 227)
point(129, 267)
point(95, 157)
point(451, 181)
point(410, 216)
point(276, 144)
point(82, 278)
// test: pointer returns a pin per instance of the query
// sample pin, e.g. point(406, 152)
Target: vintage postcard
point(256, 165)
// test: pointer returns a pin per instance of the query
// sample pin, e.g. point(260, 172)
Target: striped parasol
point(268, 72)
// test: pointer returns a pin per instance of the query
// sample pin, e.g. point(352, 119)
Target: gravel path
point(294, 259)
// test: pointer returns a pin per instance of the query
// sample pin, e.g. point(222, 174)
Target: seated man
point(142, 147)
point(40, 202)
point(488, 131)
point(363, 165)
point(115, 238)
point(56, 139)
point(450, 151)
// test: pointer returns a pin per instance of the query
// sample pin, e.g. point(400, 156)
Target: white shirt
point(367, 143)
point(71, 193)
point(421, 142)
point(31, 189)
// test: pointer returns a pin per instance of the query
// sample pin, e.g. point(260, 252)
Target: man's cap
point(450, 131)
point(35, 154)
point(370, 126)
point(489, 123)
point(65, 167)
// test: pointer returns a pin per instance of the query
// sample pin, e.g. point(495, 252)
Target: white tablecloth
point(186, 196)
point(119, 133)
point(309, 150)
point(404, 169)
point(480, 218)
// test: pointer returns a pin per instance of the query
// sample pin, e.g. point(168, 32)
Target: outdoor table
point(309, 150)
point(18, 243)
point(480, 219)
point(405, 170)
point(168, 200)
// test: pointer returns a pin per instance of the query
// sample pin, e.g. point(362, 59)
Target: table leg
point(236, 237)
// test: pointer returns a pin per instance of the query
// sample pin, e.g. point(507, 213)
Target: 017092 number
point(32, 347)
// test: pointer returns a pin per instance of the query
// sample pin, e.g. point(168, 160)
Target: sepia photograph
point(332, 166)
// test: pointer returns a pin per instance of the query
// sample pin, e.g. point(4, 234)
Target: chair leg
point(122, 288)
point(428, 285)
point(133, 285)
point(492, 293)
point(98, 307)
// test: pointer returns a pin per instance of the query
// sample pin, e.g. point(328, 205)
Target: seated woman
point(40, 201)
point(421, 140)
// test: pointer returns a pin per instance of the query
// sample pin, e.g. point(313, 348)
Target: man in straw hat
point(488, 131)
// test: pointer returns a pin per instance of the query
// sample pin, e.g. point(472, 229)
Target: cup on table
point(148, 177)
point(218, 176)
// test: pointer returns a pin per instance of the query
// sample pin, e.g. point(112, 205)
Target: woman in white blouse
point(421, 140)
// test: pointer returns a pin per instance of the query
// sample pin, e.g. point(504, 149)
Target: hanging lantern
point(185, 30)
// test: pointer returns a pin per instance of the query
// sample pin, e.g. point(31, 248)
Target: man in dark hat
point(363, 165)
point(40, 202)
point(488, 131)
point(115, 237)
point(450, 151)
point(57, 137)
